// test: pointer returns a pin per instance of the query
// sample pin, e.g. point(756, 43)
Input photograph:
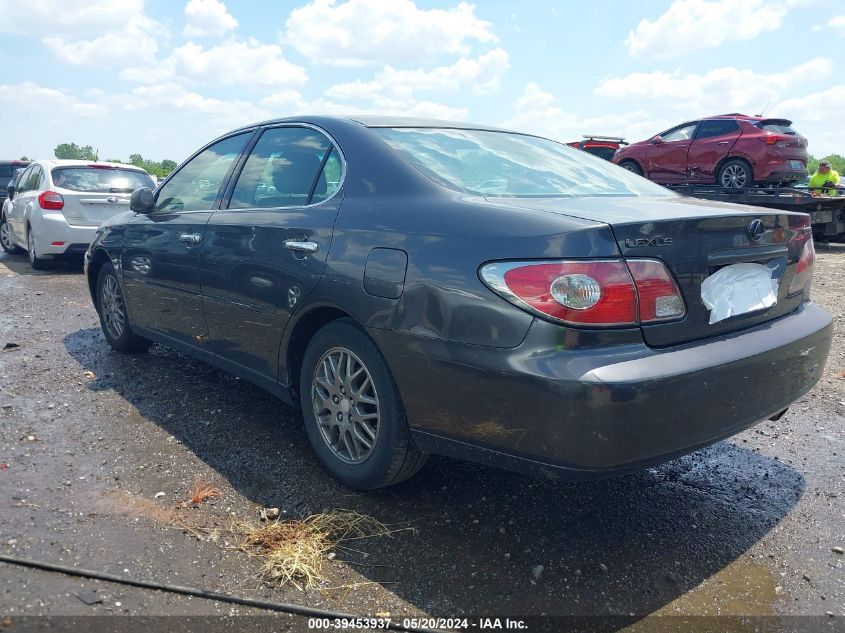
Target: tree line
point(72, 151)
point(163, 168)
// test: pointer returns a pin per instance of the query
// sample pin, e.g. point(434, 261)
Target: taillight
point(51, 200)
point(593, 293)
point(774, 139)
point(802, 231)
point(659, 296)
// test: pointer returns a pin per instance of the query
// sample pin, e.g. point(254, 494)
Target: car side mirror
point(10, 189)
point(657, 140)
point(142, 201)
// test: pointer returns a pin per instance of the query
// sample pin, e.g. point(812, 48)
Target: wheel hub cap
point(346, 405)
point(112, 307)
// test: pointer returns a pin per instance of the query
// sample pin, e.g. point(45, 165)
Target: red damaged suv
point(731, 150)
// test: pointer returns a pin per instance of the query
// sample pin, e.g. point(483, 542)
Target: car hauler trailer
point(827, 213)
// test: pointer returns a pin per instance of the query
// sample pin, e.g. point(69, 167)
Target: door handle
point(190, 238)
point(722, 142)
point(301, 246)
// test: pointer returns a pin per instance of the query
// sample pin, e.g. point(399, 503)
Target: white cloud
point(31, 95)
point(538, 112)
point(481, 74)
point(818, 117)
point(208, 17)
point(689, 25)
point(135, 41)
point(246, 62)
point(722, 90)
point(364, 32)
point(174, 97)
point(289, 103)
point(69, 17)
point(837, 22)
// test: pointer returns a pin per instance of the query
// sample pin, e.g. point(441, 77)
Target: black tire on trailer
point(632, 166)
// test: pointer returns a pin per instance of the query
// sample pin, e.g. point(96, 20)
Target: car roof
point(59, 162)
point(373, 121)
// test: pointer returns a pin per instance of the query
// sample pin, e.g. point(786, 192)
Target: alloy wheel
point(6, 236)
point(346, 405)
point(111, 305)
point(30, 245)
point(734, 177)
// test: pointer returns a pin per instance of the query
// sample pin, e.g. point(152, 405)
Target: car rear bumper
point(56, 237)
point(586, 413)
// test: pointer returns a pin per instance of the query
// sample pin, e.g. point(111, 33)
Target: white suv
point(58, 205)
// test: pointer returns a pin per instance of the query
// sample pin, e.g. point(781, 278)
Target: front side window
point(196, 186)
point(716, 127)
point(288, 167)
point(509, 164)
point(100, 179)
point(683, 133)
point(23, 179)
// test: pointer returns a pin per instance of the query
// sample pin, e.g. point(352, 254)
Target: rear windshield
point(100, 179)
point(602, 152)
point(508, 164)
point(778, 127)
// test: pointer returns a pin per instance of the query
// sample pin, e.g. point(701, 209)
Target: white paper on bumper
point(738, 289)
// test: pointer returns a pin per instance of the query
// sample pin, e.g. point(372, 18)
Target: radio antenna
point(764, 109)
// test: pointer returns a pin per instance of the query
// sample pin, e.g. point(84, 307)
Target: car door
point(713, 141)
point(161, 252)
point(266, 249)
point(23, 202)
point(13, 209)
point(668, 156)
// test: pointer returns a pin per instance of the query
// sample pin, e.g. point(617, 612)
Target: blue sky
point(161, 78)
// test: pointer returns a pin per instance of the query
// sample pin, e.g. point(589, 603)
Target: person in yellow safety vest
point(825, 176)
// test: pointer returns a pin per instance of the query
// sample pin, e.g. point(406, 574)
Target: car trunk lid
point(92, 209)
point(695, 238)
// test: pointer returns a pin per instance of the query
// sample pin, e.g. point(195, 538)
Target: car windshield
point(100, 179)
point(508, 164)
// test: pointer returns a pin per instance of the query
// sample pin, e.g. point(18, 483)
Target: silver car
point(57, 205)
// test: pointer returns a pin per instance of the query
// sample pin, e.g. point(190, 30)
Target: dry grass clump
point(203, 490)
point(294, 550)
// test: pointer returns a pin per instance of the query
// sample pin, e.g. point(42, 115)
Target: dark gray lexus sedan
point(425, 287)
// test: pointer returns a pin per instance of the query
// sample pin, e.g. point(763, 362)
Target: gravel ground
point(89, 438)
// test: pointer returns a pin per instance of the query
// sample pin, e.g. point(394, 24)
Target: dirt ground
point(90, 438)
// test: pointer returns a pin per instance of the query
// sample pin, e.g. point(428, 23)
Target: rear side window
point(717, 127)
point(100, 179)
point(288, 167)
point(5, 171)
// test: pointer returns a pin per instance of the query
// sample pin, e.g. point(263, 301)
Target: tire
point(6, 238)
point(37, 263)
point(735, 174)
point(378, 418)
point(632, 166)
point(118, 332)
